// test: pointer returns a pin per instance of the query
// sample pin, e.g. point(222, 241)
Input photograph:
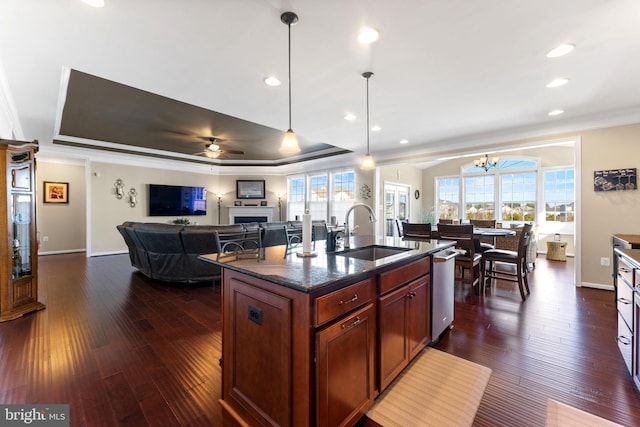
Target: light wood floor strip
point(437, 389)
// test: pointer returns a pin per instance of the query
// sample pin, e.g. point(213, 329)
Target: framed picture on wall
point(246, 189)
point(56, 192)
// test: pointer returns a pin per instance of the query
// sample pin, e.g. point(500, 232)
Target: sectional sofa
point(169, 252)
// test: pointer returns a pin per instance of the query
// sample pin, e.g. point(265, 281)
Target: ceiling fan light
point(289, 143)
point(213, 147)
point(368, 163)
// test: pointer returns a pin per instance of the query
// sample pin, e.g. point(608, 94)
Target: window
point(325, 195)
point(318, 196)
point(559, 195)
point(448, 191)
point(479, 197)
point(344, 194)
point(518, 195)
point(296, 199)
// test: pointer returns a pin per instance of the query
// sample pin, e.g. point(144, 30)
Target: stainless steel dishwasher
point(442, 276)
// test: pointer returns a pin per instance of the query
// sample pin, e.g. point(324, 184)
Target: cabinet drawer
point(337, 303)
point(625, 271)
point(625, 303)
point(625, 342)
point(399, 276)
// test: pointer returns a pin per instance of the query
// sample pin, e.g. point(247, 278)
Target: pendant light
point(290, 141)
point(367, 162)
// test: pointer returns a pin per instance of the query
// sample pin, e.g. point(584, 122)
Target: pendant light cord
point(367, 115)
point(289, 25)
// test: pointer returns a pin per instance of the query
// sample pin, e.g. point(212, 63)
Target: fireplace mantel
point(252, 211)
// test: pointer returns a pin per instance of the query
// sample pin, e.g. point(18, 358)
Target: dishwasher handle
point(444, 256)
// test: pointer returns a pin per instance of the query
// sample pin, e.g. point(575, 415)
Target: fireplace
point(245, 219)
point(244, 214)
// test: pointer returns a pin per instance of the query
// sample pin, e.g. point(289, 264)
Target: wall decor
point(56, 192)
point(263, 203)
point(250, 189)
point(119, 185)
point(237, 203)
point(365, 192)
point(615, 180)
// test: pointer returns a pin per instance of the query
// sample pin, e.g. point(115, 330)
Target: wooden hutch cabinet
point(18, 248)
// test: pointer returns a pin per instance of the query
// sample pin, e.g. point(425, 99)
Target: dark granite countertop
point(307, 274)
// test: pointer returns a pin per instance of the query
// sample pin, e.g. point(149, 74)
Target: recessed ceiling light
point(556, 112)
point(404, 141)
point(368, 35)
point(558, 82)
point(376, 128)
point(561, 50)
point(94, 3)
point(350, 116)
point(272, 81)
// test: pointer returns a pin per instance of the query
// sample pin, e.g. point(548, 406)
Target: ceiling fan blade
point(232, 151)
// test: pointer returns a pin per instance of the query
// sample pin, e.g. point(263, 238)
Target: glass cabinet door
point(21, 214)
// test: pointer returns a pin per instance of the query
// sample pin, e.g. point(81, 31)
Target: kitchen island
point(314, 340)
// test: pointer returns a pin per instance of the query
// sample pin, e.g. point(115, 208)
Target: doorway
point(396, 205)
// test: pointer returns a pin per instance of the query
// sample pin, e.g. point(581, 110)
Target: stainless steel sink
point(372, 253)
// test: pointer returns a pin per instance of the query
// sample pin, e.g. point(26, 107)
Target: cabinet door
point(256, 366)
point(419, 326)
point(345, 368)
point(394, 354)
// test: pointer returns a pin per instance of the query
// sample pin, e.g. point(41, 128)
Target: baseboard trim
point(68, 251)
point(597, 286)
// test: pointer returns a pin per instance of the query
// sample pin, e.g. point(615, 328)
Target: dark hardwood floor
point(124, 350)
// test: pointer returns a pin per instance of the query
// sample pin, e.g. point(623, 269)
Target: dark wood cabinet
point(19, 250)
point(404, 321)
point(257, 355)
point(286, 353)
point(346, 368)
point(295, 358)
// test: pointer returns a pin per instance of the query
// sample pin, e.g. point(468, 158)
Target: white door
point(396, 206)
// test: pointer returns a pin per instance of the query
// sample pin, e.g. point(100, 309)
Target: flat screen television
point(177, 200)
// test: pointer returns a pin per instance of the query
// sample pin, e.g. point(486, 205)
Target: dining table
point(483, 232)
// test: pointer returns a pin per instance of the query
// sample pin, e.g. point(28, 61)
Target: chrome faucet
point(372, 218)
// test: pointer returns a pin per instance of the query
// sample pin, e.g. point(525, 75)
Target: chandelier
point(486, 163)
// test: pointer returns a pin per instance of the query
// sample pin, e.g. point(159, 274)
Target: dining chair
point(486, 243)
point(468, 258)
point(445, 221)
point(416, 230)
point(517, 259)
point(238, 244)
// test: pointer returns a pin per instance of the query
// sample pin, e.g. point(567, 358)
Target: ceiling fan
point(214, 150)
